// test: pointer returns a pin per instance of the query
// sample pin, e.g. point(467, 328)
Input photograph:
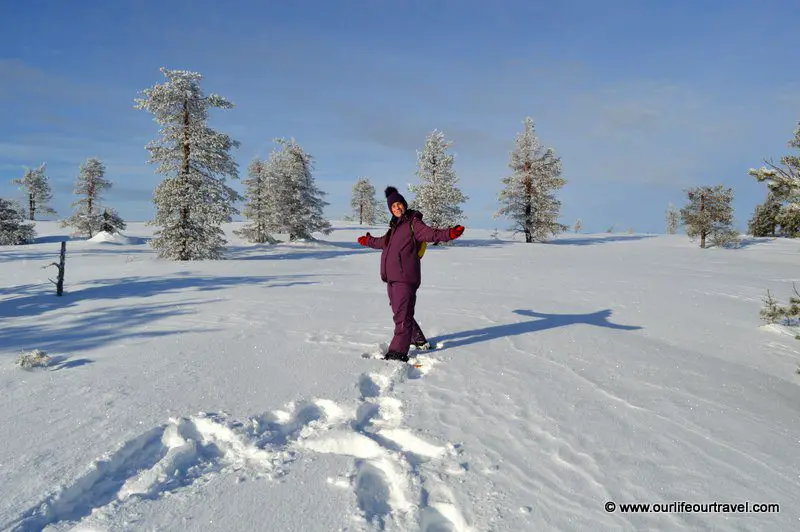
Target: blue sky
point(640, 99)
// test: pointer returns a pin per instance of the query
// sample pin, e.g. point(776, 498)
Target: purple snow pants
point(402, 298)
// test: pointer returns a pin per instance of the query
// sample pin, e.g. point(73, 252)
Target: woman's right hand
point(363, 239)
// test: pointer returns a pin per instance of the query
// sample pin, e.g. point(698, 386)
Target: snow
point(245, 394)
point(115, 238)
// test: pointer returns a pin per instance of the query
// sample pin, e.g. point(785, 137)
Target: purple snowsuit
point(400, 270)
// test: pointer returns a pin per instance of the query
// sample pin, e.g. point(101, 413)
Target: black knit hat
point(392, 196)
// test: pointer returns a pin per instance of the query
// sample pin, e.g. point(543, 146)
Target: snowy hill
point(233, 395)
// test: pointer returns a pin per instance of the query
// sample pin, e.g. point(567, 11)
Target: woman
point(400, 268)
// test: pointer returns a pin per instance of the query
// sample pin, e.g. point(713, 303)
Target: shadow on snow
point(51, 254)
point(306, 249)
point(51, 239)
point(64, 362)
point(542, 322)
point(316, 249)
point(597, 240)
point(477, 243)
point(42, 298)
point(24, 255)
point(95, 328)
point(755, 241)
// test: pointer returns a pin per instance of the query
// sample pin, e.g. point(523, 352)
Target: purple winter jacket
point(399, 259)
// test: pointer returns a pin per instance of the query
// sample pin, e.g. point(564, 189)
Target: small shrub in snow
point(725, 238)
point(673, 219)
point(111, 222)
point(34, 359)
point(772, 312)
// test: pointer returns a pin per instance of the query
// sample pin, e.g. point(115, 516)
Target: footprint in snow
point(194, 450)
point(183, 452)
point(373, 384)
point(389, 458)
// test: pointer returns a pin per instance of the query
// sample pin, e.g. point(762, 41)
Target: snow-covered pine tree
point(437, 194)
point(90, 182)
point(13, 228)
point(296, 205)
point(710, 214)
point(257, 205)
point(764, 221)
point(789, 220)
point(529, 194)
point(578, 225)
point(364, 202)
point(37, 187)
point(783, 180)
point(277, 192)
point(673, 219)
point(111, 222)
point(193, 201)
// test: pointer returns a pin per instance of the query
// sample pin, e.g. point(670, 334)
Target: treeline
point(281, 196)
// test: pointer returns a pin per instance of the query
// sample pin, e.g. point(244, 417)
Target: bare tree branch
point(781, 171)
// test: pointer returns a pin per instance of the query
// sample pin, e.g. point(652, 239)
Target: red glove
point(363, 239)
point(456, 231)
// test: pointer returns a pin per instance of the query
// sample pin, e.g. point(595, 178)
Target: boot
point(395, 355)
point(423, 345)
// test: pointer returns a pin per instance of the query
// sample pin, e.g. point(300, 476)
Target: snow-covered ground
point(233, 395)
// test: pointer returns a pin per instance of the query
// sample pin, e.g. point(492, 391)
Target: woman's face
point(398, 209)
